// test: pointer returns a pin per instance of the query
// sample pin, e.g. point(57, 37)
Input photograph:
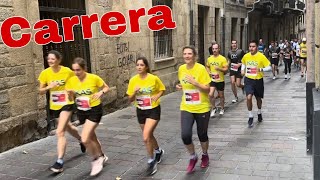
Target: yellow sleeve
point(225, 62)
point(68, 85)
point(99, 81)
point(265, 61)
point(71, 74)
point(43, 78)
point(130, 90)
point(208, 63)
point(205, 78)
point(243, 60)
point(160, 85)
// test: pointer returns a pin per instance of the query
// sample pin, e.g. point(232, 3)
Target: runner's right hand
point(136, 89)
point(178, 87)
point(53, 85)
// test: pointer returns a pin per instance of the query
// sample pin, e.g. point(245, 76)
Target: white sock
point(259, 111)
point(193, 156)
point(150, 160)
point(250, 114)
point(158, 150)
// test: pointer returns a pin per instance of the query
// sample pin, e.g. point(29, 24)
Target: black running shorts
point(94, 114)
point(254, 87)
point(153, 113)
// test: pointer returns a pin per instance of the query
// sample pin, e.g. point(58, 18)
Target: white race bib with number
point(215, 77)
point(58, 98)
point(192, 96)
point(234, 67)
point(144, 102)
point(83, 103)
point(252, 70)
point(274, 55)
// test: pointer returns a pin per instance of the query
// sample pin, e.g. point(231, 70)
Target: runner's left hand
point(191, 80)
point(155, 98)
point(97, 95)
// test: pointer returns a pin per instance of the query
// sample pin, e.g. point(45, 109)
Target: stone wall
point(21, 117)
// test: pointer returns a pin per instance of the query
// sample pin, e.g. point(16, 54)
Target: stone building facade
point(23, 111)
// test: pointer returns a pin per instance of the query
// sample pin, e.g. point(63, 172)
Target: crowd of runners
point(198, 83)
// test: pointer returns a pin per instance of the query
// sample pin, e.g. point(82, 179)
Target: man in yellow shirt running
point(254, 64)
point(216, 66)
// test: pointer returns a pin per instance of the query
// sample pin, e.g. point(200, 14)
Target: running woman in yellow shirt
point(216, 66)
point(195, 105)
point(145, 90)
point(84, 88)
point(53, 79)
point(254, 64)
point(303, 56)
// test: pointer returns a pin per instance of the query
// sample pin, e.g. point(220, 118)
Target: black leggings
point(287, 63)
point(187, 120)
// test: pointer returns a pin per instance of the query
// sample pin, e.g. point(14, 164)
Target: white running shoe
point(285, 77)
point(221, 111)
point(289, 76)
point(235, 100)
point(274, 78)
point(213, 112)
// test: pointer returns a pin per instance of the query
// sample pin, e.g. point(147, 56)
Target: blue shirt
point(261, 47)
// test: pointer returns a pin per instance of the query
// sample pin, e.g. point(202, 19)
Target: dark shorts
point(304, 58)
point(275, 61)
point(254, 87)
point(149, 113)
point(94, 114)
point(237, 74)
point(218, 85)
point(56, 113)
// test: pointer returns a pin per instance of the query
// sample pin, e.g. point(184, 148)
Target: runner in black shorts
point(84, 88)
point(216, 66)
point(145, 90)
point(53, 79)
point(235, 55)
point(274, 53)
point(253, 66)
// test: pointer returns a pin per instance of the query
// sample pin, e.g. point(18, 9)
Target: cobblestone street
point(273, 150)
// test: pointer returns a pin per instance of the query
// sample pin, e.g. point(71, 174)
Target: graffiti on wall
point(125, 57)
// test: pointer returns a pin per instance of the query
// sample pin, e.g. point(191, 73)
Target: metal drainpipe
point(191, 23)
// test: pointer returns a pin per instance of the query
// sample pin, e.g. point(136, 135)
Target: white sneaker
point(213, 112)
point(274, 78)
point(221, 111)
point(289, 76)
point(285, 77)
point(235, 100)
point(97, 165)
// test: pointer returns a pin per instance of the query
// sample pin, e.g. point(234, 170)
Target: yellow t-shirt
point(253, 63)
point(303, 50)
point(220, 61)
point(85, 90)
point(194, 100)
point(58, 95)
point(149, 86)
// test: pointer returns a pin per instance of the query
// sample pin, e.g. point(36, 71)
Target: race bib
point(234, 67)
point(287, 56)
point(252, 70)
point(83, 103)
point(144, 102)
point(215, 77)
point(274, 55)
point(303, 51)
point(192, 96)
point(59, 98)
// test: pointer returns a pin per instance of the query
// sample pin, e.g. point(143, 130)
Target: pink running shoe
point(192, 164)
point(204, 161)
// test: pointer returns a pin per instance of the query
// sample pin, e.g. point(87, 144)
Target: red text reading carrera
point(47, 30)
